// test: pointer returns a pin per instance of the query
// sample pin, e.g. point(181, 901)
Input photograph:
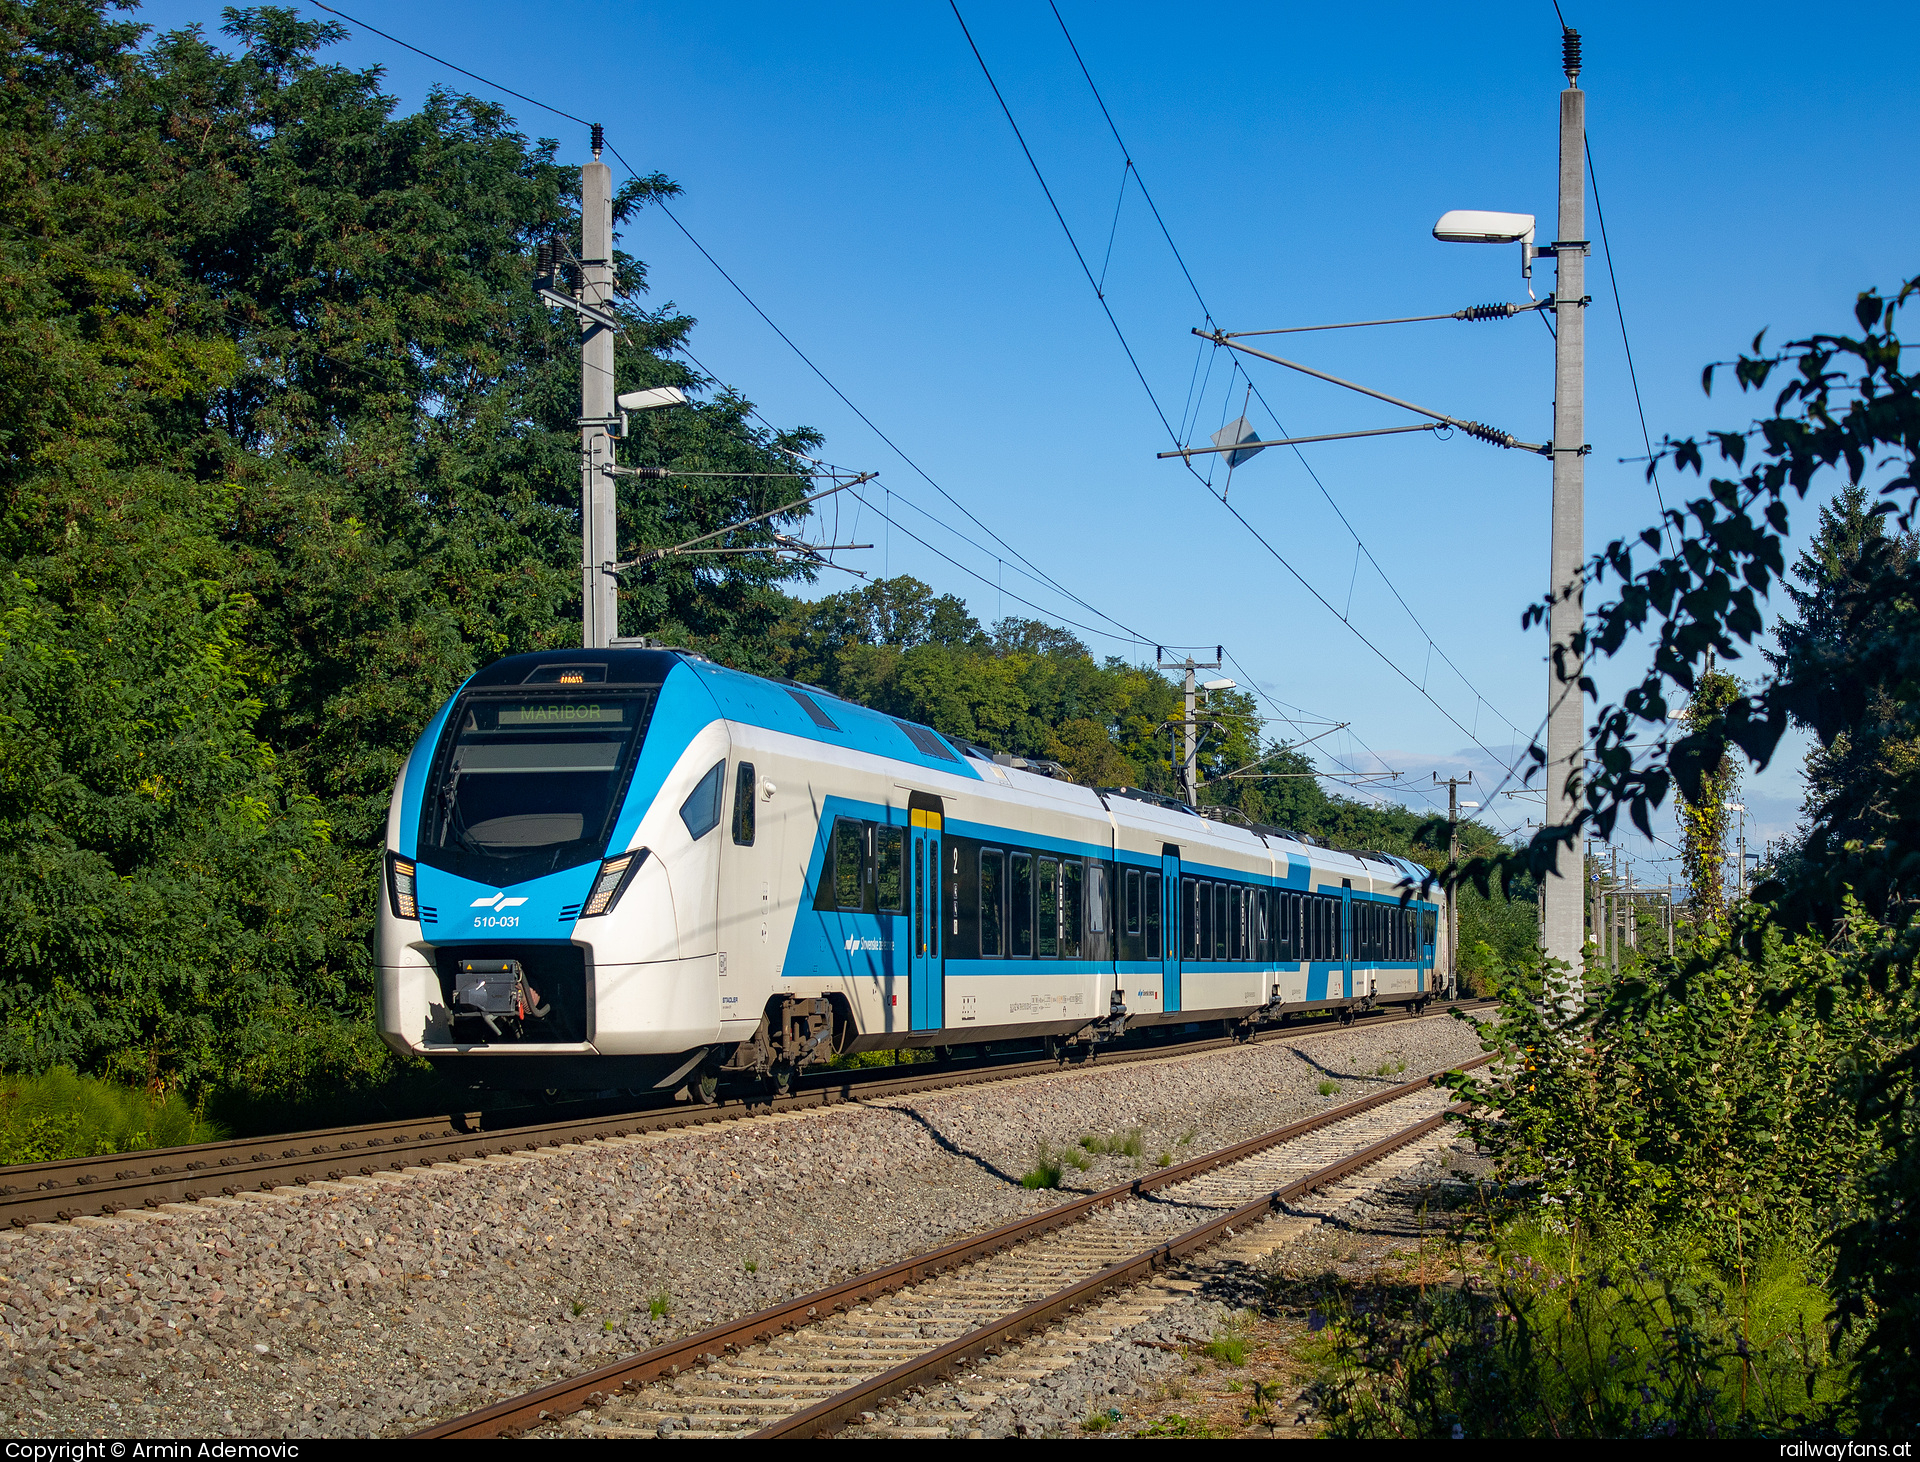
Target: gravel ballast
point(373, 1307)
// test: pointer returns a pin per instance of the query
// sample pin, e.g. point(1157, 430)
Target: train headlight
point(615, 875)
point(400, 888)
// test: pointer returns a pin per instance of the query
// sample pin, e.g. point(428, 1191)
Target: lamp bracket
point(613, 426)
point(585, 312)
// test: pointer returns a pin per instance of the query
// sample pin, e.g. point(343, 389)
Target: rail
point(518, 1413)
point(104, 1185)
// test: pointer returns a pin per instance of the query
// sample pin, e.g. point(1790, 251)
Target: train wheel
point(706, 1087)
point(782, 1079)
point(1346, 1015)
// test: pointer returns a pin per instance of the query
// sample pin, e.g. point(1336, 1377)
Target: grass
point(579, 1308)
point(62, 1114)
point(1130, 1143)
point(1390, 1068)
point(1176, 1425)
point(1099, 1421)
point(1328, 1088)
point(1229, 1344)
point(660, 1306)
point(751, 1266)
point(1046, 1170)
point(1165, 1160)
point(914, 1056)
point(1553, 1334)
point(1187, 1136)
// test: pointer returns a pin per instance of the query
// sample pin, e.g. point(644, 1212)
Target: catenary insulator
point(1492, 435)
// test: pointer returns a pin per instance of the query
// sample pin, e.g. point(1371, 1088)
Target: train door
point(1170, 926)
point(925, 997)
point(1346, 937)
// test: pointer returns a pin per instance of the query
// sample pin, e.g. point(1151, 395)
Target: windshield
point(526, 785)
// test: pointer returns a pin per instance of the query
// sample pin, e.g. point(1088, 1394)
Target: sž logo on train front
point(495, 920)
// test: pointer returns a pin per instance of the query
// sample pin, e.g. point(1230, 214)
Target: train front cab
point(553, 872)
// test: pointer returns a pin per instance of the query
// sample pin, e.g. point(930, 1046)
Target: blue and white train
point(634, 868)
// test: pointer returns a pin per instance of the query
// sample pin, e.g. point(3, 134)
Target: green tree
point(1845, 405)
point(1704, 811)
point(1850, 552)
point(286, 451)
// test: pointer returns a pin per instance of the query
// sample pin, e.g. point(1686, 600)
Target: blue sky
point(850, 167)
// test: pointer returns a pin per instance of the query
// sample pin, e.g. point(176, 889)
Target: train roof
point(817, 714)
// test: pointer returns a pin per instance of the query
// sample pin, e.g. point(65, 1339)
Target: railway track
point(808, 1366)
point(80, 1188)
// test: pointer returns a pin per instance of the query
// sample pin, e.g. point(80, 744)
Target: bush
point(61, 1114)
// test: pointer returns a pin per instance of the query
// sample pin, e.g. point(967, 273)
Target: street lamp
point(651, 399)
point(1473, 226)
point(1563, 920)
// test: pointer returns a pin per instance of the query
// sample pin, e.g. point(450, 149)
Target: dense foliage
point(1767, 1075)
point(59, 1114)
point(286, 451)
point(1554, 1335)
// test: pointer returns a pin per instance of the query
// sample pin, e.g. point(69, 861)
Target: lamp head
point(1474, 226)
point(1219, 685)
point(648, 400)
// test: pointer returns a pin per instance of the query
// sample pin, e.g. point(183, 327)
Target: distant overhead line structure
point(1478, 312)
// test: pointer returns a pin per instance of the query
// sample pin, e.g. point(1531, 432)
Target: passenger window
point(888, 842)
point(1133, 901)
point(849, 862)
point(1150, 914)
point(1220, 921)
point(1049, 910)
point(1189, 919)
point(701, 811)
point(933, 899)
point(1071, 908)
point(1020, 906)
point(1096, 898)
point(1203, 942)
point(919, 935)
point(743, 805)
point(993, 872)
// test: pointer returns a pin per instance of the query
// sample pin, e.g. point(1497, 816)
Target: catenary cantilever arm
point(1492, 435)
point(1332, 436)
point(654, 555)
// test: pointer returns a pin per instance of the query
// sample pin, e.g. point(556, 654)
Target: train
point(634, 869)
